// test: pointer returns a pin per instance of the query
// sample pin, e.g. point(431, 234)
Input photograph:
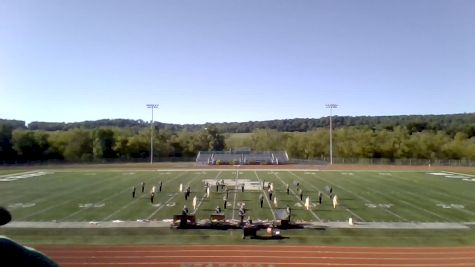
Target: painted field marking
point(435, 201)
point(137, 199)
point(204, 196)
point(60, 188)
point(101, 201)
point(363, 198)
point(121, 192)
point(456, 173)
point(266, 196)
point(298, 198)
point(450, 206)
point(436, 191)
point(171, 197)
point(21, 205)
point(343, 206)
point(414, 206)
point(379, 205)
point(235, 194)
point(20, 176)
point(92, 205)
point(80, 189)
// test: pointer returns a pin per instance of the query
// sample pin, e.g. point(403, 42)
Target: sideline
point(310, 225)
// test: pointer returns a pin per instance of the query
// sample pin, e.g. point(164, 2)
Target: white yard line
point(361, 197)
point(204, 196)
point(417, 207)
point(435, 201)
point(266, 196)
point(101, 201)
point(346, 208)
point(161, 207)
point(172, 197)
point(301, 201)
point(235, 193)
point(70, 192)
point(135, 199)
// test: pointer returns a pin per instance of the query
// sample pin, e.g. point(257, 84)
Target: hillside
point(449, 123)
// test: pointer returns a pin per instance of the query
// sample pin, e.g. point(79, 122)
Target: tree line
point(450, 124)
point(102, 144)
point(127, 144)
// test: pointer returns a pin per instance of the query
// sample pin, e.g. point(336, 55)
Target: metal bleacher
point(280, 157)
point(241, 157)
point(204, 157)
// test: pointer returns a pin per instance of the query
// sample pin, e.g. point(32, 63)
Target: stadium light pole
point(152, 106)
point(331, 107)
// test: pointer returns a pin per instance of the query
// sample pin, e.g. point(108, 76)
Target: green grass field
point(366, 196)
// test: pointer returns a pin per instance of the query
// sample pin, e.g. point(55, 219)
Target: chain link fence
point(384, 161)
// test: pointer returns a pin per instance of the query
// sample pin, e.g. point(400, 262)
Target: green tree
point(30, 145)
point(6, 150)
point(103, 143)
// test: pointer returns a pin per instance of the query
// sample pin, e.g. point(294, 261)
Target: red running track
point(257, 255)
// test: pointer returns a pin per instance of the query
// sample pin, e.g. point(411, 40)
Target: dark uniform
point(160, 187)
point(270, 194)
point(242, 188)
point(225, 199)
point(188, 192)
point(288, 189)
point(217, 186)
point(184, 211)
point(261, 200)
point(133, 192)
point(218, 210)
point(242, 212)
point(301, 194)
point(152, 196)
point(320, 198)
point(143, 187)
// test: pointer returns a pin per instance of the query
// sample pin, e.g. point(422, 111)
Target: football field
point(91, 195)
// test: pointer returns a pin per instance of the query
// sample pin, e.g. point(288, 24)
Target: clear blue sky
point(216, 61)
